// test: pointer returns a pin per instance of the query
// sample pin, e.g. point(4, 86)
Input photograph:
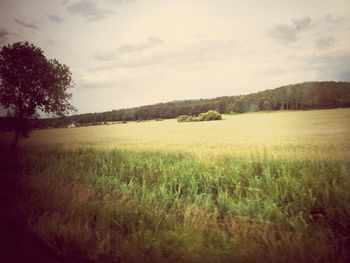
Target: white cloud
point(324, 42)
point(333, 65)
point(285, 33)
point(302, 24)
point(55, 18)
point(4, 33)
point(88, 10)
point(29, 25)
point(129, 48)
point(196, 52)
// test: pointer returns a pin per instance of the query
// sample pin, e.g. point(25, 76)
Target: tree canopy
point(302, 96)
point(31, 83)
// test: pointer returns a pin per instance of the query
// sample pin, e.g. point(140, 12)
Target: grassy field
point(258, 187)
point(300, 134)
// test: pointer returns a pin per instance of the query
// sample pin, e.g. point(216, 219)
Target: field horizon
point(305, 131)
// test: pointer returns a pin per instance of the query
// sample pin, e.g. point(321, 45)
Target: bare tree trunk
point(16, 138)
point(18, 126)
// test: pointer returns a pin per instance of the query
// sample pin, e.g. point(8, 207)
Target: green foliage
point(201, 116)
point(267, 105)
point(124, 206)
point(303, 96)
point(209, 116)
point(184, 118)
point(31, 83)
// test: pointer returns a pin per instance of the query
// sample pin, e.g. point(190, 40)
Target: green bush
point(202, 116)
point(184, 118)
point(209, 116)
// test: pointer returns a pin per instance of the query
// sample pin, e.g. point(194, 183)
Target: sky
point(126, 53)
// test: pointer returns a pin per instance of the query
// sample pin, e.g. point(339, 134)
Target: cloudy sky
point(126, 53)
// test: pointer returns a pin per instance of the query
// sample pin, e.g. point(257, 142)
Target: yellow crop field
point(317, 134)
point(256, 187)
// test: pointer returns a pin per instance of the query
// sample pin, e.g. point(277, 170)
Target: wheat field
point(256, 187)
point(314, 134)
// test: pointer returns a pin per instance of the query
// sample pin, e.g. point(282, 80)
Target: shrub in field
point(213, 115)
point(202, 116)
point(208, 116)
point(184, 118)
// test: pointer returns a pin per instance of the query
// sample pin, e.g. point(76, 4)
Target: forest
point(302, 96)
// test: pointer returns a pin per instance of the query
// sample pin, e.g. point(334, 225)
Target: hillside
point(302, 96)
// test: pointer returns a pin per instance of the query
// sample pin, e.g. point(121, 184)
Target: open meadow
point(321, 134)
point(255, 187)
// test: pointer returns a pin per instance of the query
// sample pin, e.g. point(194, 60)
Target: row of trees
point(31, 83)
point(303, 96)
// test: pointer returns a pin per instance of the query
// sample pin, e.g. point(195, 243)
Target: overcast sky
point(126, 53)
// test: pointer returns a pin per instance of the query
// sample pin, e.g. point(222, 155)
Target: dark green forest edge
point(302, 96)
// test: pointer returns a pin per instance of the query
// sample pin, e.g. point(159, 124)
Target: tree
point(30, 83)
point(266, 105)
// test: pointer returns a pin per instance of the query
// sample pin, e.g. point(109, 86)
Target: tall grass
point(147, 206)
point(260, 187)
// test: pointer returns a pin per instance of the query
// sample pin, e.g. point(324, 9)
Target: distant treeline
point(303, 96)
